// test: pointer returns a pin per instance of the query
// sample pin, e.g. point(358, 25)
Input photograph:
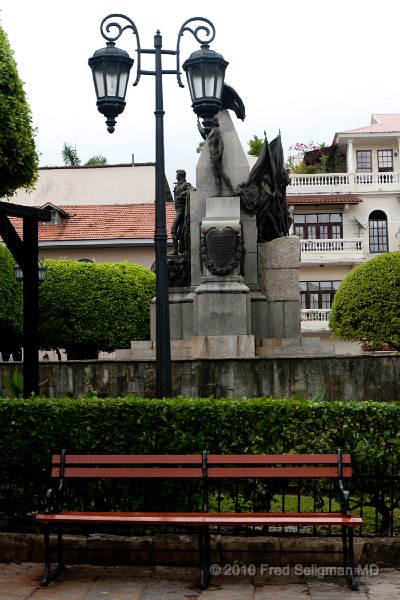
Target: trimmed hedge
point(11, 314)
point(94, 306)
point(366, 307)
point(31, 430)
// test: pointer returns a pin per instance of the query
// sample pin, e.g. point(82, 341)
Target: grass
point(372, 520)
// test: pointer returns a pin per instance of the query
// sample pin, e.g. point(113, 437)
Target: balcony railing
point(315, 315)
point(343, 183)
point(339, 251)
point(315, 319)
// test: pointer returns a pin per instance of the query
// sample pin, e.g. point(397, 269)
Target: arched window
point(378, 232)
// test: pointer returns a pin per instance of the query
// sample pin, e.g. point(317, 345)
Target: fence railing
point(375, 497)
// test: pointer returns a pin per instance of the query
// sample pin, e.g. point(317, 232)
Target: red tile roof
point(323, 200)
point(389, 123)
point(102, 222)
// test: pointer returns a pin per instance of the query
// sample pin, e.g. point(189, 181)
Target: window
point(378, 233)
point(322, 226)
point(317, 294)
point(385, 161)
point(364, 161)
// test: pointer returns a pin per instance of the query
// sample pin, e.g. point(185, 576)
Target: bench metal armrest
point(53, 499)
point(344, 497)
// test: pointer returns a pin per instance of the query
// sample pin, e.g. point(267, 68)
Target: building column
point(398, 155)
point(350, 163)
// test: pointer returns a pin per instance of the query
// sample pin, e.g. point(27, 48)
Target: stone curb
point(181, 550)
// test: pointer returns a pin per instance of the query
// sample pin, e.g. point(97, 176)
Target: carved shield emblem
point(221, 246)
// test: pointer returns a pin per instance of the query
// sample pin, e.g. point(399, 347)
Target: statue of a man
point(181, 193)
point(216, 147)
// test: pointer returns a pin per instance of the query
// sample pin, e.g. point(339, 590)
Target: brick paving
point(80, 582)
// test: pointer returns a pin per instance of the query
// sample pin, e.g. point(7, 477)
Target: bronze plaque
point(222, 246)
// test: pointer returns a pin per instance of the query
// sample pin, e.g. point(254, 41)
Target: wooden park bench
point(207, 469)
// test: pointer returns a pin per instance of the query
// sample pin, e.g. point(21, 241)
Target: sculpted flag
point(264, 192)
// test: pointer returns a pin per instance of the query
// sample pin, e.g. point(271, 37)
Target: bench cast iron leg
point(204, 554)
point(348, 557)
point(46, 539)
point(47, 575)
point(60, 559)
point(351, 575)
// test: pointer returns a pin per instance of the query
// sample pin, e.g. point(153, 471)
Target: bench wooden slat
point(128, 459)
point(123, 472)
point(274, 459)
point(295, 472)
point(199, 518)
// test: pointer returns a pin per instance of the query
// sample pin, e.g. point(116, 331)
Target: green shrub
point(101, 306)
point(32, 430)
point(18, 157)
point(366, 307)
point(11, 313)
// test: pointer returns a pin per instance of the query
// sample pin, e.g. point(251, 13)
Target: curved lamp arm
point(107, 24)
point(206, 29)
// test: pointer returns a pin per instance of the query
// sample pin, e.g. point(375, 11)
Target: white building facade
point(345, 218)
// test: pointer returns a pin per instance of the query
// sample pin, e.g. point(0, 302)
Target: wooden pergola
point(25, 252)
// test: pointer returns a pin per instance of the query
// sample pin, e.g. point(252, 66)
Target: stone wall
point(181, 550)
point(369, 377)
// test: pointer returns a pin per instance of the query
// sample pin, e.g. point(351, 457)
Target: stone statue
point(264, 192)
point(216, 147)
point(180, 229)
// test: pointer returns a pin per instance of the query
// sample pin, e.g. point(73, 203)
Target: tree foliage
point(18, 157)
point(11, 314)
point(255, 145)
point(366, 307)
point(96, 306)
point(71, 158)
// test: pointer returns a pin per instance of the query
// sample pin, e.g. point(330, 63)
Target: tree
point(18, 157)
point(255, 146)
point(366, 307)
point(88, 307)
point(71, 158)
point(11, 314)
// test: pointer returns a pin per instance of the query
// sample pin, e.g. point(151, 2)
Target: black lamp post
point(205, 71)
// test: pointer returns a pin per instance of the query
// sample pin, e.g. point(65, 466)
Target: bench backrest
point(204, 468)
point(151, 466)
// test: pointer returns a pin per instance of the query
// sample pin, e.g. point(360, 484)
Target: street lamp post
point(205, 70)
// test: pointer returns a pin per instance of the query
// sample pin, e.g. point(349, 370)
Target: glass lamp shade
point(41, 272)
point(205, 72)
point(19, 274)
point(110, 68)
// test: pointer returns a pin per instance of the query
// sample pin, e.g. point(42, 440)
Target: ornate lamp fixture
point(205, 70)
point(19, 274)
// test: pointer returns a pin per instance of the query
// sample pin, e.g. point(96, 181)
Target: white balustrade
point(319, 179)
point(337, 245)
point(315, 315)
point(343, 182)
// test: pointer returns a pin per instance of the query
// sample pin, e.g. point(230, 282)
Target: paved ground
point(22, 581)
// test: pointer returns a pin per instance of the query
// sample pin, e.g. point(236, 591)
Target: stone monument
point(233, 273)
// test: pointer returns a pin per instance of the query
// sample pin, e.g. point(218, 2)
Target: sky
point(307, 69)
